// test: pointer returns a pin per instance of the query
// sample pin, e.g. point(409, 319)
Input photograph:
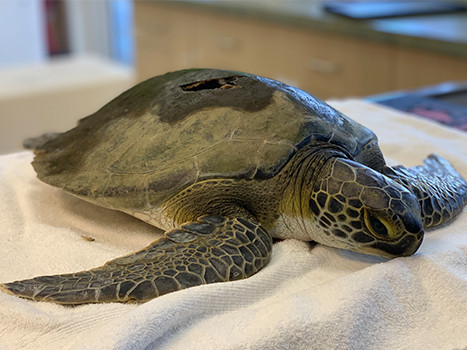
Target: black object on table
point(444, 103)
point(387, 9)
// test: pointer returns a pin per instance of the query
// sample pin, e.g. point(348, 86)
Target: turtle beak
point(407, 245)
point(411, 229)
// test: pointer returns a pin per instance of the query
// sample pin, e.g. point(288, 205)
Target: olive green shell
point(182, 127)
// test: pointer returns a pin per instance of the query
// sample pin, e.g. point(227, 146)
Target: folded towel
point(307, 297)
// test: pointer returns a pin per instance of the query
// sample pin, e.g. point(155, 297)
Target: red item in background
point(57, 36)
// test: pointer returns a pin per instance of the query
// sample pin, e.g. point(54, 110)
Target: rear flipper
point(439, 188)
point(213, 249)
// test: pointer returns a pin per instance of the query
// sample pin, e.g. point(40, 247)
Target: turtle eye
point(378, 227)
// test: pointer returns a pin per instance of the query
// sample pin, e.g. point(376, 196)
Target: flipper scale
point(179, 260)
point(439, 188)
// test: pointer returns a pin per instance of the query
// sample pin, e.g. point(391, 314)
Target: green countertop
point(444, 33)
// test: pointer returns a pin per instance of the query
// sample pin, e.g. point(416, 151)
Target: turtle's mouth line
point(407, 246)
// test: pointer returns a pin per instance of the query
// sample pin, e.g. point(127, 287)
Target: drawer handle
point(322, 66)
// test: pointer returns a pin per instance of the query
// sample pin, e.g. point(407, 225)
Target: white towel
point(307, 297)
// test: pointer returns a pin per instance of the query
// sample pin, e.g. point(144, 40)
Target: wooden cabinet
point(417, 68)
point(165, 39)
point(171, 37)
point(246, 45)
point(333, 66)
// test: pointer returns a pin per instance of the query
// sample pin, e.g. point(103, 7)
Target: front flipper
point(213, 249)
point(439, 188)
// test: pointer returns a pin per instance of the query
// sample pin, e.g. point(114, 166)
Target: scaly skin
point(439, 188)
point(339, 203)
point(213, 249)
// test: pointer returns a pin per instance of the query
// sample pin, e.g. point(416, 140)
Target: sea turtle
point(224, 162)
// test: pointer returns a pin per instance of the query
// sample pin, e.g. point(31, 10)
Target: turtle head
point(362, 210)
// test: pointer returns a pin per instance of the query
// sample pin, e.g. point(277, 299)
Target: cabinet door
point(251, 46)
point(417, 68)
point(165, 39)
point(323, 64)
point(328, 65)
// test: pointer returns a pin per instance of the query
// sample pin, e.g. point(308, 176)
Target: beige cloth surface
point(308, 297)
